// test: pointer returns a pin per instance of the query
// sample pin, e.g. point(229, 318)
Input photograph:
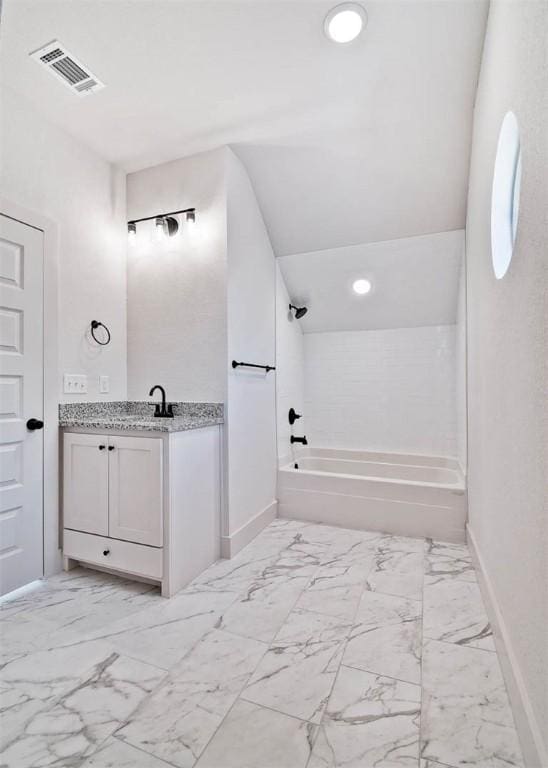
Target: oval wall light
point(505, 195)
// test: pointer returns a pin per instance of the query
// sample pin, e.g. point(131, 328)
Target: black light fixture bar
point(162, 215)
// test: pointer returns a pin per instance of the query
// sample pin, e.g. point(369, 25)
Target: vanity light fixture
point(345, 22)
point(361, 286)
point(166, 223)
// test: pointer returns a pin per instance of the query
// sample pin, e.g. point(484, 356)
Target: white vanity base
point(148, 508)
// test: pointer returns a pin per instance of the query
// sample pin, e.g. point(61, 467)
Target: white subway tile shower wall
point(391, 390)
point(460, 371)
point(289, 370)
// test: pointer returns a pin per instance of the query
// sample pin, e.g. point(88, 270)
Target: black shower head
point(299, 311)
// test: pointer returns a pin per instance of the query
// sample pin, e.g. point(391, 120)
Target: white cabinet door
point(85, 483)
point(135, 489)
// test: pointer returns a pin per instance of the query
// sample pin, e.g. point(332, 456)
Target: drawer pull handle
point(106, 552)
point(102, 447)
point(111, 447)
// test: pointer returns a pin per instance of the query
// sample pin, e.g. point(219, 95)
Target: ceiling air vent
point(66, 67)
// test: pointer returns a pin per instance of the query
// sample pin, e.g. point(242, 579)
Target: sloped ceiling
point(344, 144)
point(414, 281)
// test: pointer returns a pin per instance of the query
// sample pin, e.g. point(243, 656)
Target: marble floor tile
point(116, 754)
point(394, 583)
point(271, 594)
point(179, 719)
point(453, 611)
point(21, 634)
point(369, 721)
point(243, 667)
point(447, 549)
point(398, 570)
point(85, 716)
point(262, 609)
point(296, 674)
point(254, 737)
point(340, 540)
point(165, 633)
point(403, 544)
point(332, 595)
point(34, 682)
point(386, 638)
point(65, 599)
point(234, 575)
point(448, 561)
point(337, 584)
point(466, 717)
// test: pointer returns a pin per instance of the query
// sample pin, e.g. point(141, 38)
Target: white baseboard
point(530, 734)
point(231, 545)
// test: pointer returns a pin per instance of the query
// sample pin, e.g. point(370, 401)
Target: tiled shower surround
point(314, 647)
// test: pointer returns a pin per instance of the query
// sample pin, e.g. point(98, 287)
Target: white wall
point(45, 170)
point(508, 361)
point(251, 403)
point(390, 390)
point(177, 288)
point(289, 370)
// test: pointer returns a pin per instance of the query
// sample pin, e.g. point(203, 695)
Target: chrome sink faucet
point(163, 410)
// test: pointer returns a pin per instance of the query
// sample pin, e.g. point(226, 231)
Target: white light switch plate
point(104, 384)
point(75, 383)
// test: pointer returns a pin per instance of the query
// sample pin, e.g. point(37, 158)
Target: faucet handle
point(293, 416)
point(157, 410)
point(169, 411)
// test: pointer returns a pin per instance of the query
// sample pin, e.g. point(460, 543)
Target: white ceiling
point(415, 282)
point(344, 144)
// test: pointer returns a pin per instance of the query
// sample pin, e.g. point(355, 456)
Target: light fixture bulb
point(345, 22)
point(131, 230)
point(191, 217)
point(361, 286)
point(159, 228)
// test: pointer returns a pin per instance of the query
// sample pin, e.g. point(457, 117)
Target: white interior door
point(21, 400)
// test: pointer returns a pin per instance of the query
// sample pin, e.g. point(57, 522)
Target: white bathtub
point(402, 494)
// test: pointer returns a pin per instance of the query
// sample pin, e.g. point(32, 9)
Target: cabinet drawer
point(122, 555)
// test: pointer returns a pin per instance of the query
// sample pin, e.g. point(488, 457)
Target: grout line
point(459, 645)
point(381, 674)
point(133, 746)
point(277, 711)
point(421, 707)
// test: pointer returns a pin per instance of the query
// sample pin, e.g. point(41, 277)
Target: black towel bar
point(266, 368)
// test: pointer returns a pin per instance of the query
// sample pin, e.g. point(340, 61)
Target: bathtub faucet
point(302, 440)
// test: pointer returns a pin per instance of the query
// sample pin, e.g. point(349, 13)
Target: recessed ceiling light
point(361, 286)
point(345, 22)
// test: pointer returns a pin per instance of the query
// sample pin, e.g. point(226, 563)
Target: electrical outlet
point(75, 384)
point(104, 384)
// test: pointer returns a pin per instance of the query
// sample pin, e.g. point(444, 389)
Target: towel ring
point(96, 324)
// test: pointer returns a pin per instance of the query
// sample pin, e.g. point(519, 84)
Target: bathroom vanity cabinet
point(143, 504)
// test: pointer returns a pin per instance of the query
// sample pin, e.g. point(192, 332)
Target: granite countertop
point(139, 416)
